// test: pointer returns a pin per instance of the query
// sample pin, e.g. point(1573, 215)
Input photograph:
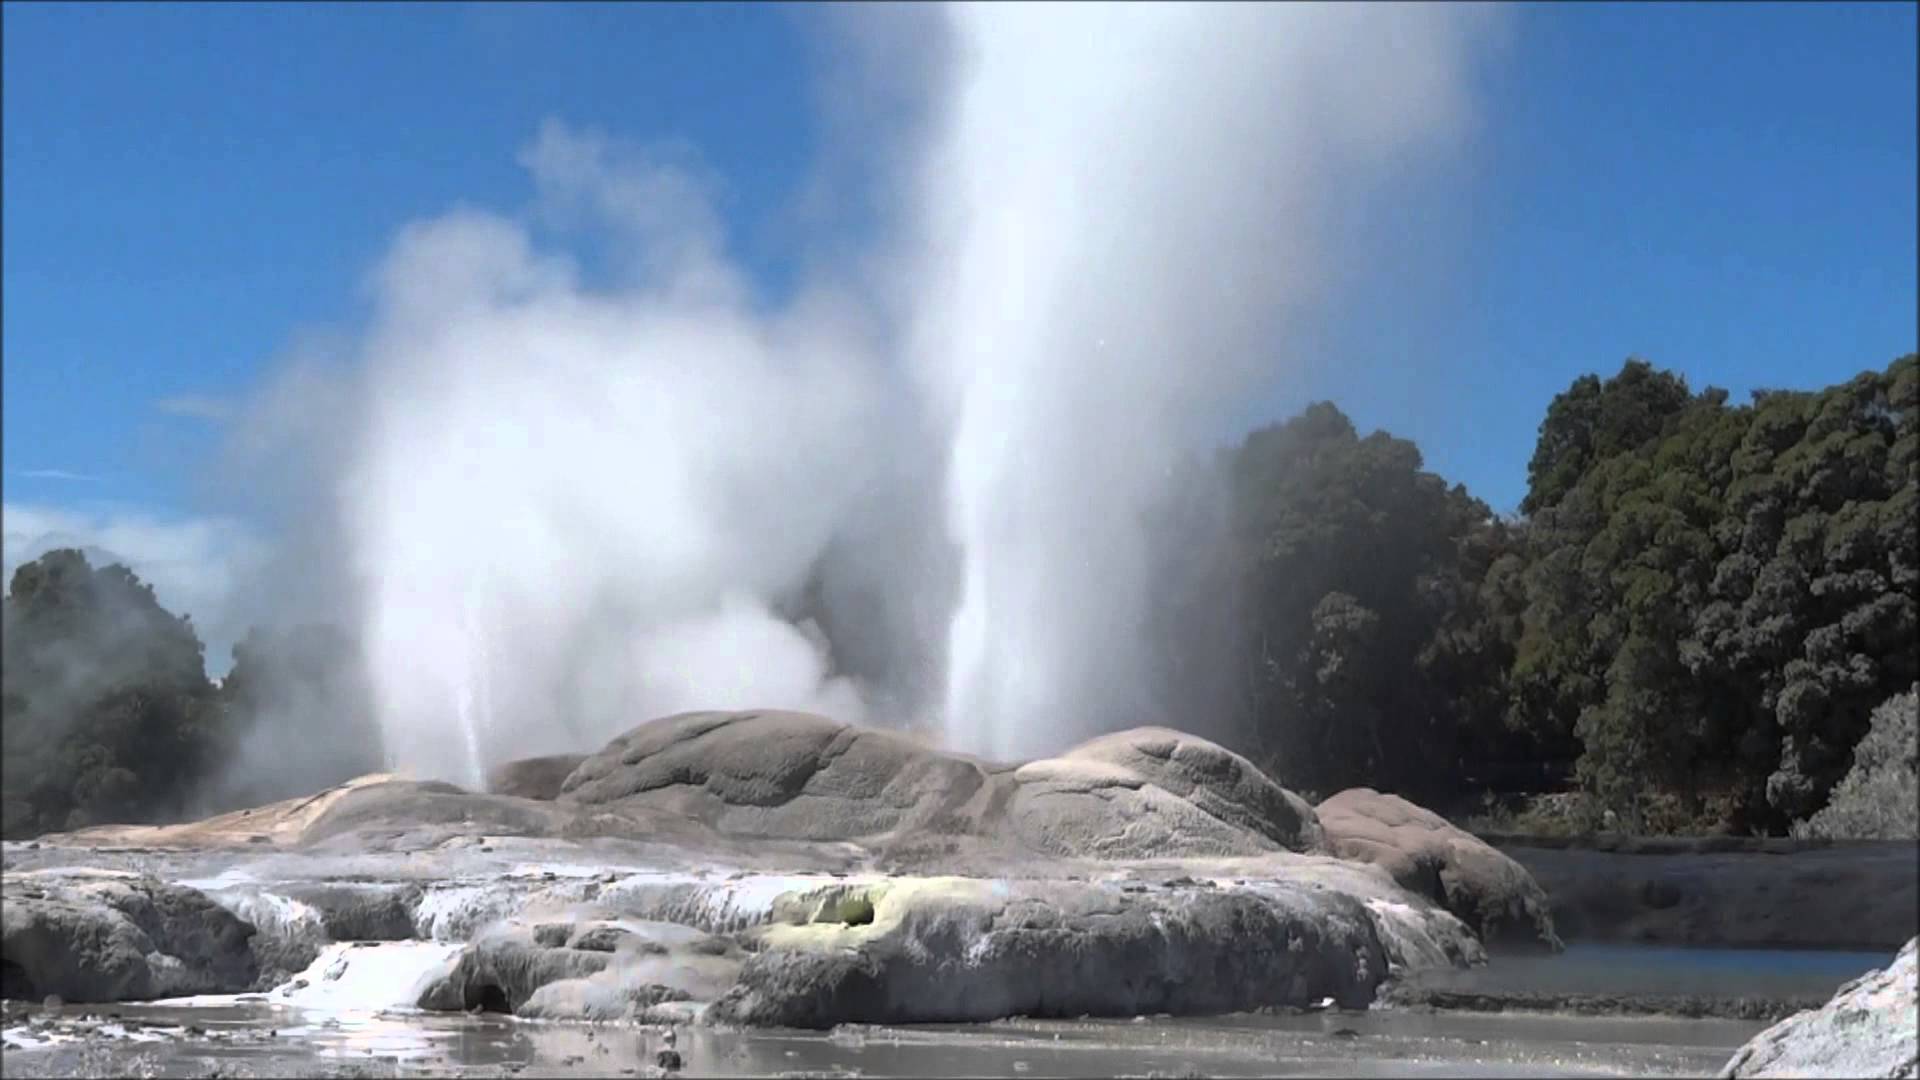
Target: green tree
point(1357, 573)
point(1714, 608)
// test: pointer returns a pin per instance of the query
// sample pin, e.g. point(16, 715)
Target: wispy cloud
point(196, 407)
point(56, 474)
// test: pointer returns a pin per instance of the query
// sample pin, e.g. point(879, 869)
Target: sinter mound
point(877, 879)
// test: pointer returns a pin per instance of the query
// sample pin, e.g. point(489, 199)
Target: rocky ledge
point(772, 868)
point(94, 935)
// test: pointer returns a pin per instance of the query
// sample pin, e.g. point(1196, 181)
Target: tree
point(1355, 577)
point(108, 712)
point(1717, 606)
point(1593, 421)
point(1879, 798)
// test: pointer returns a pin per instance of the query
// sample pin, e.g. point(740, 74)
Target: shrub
point(1879, 798)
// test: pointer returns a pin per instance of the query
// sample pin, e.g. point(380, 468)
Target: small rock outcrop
point(779, 775)
point(1154, 791)
point(90, 935)
point(1870, 1028)
point(1455, 869)
point(534, 777)
point(586, 968)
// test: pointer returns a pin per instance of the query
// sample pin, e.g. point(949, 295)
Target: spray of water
point(576, 495)
point(1126, 209)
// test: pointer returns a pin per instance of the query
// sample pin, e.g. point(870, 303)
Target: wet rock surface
point(1871, 1027)
point(86, 935)
point(589, 969)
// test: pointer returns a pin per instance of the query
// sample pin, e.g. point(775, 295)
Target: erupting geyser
point(579, 494)
point(1123, 209)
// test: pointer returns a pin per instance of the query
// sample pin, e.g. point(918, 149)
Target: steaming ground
point(582, 474)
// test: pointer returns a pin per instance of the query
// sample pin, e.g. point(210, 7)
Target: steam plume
point(572, 497)
point(1124, 211)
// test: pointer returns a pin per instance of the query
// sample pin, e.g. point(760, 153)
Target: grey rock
point(959, 950)
point(533, 778)
point(643, 970)
point(413, 804)
point(1427, 855)
point(1153, 791)
point(797, 776)
point(777, 774)
point(1871, 1027)
point(91, 936)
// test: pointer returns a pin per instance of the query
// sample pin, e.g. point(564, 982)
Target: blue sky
point(1728, 190)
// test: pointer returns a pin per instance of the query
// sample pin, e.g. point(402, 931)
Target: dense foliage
point(1692, 622)
point(1703, 619)
point(1879, 798)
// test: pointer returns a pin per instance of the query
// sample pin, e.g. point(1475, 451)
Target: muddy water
point(257, 1039)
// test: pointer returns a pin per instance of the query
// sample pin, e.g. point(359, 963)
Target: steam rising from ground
point(575, 497)
point(575, 508)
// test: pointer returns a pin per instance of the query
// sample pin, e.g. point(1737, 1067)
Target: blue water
point(1651, 969)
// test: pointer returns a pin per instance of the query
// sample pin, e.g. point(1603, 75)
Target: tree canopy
point(1692, 621)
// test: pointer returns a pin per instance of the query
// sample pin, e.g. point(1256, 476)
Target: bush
point(1879, 798)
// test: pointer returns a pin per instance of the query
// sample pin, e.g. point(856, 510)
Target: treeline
point(1703, 618)
point(109, 715)
point(1690, 623)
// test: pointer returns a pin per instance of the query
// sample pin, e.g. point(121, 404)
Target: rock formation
point(88, 935)
point(780, 868)
point(1870, 1028)
point(1489, 890)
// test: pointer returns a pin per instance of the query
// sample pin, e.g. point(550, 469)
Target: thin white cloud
point(196, 407)
point(195, 565)
point(56, 474)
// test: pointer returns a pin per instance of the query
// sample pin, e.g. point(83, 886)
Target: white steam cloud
point(575, 495)
point(575, 508)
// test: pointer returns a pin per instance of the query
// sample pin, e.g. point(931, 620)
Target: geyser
point(574, 495)
point(1124, 209)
